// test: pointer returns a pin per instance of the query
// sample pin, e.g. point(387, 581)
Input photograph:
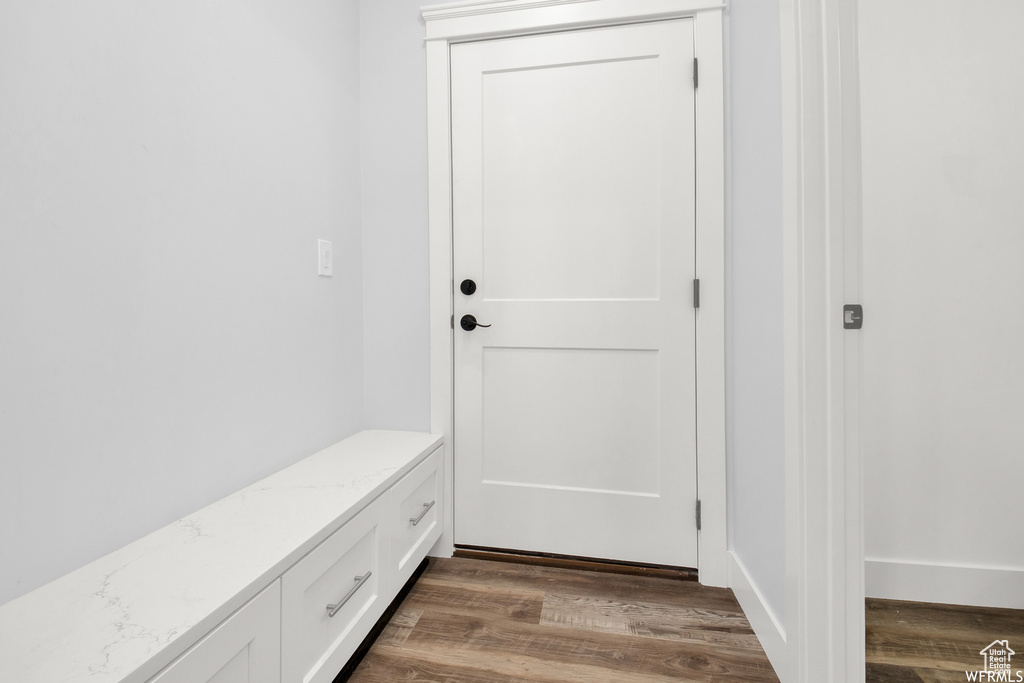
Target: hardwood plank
point(648, 620)
point(927, 617)
point(493, 639)
point(461, 666)
point(590, 584)
point(387, 665)
point(939, 676)
point(939, 641)
point(479, 600)
point(399, 628)
point(889, 673)
point(904, 647)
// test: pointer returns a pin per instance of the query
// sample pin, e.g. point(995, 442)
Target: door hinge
point(453, 322)
point(853, 316)
point(698, 514)
point(695, 73)
point(696, 293)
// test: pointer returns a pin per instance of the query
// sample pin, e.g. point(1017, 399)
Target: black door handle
point(469, 323)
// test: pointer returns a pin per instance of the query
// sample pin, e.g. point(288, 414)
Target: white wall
point(754, 381)
point(943, 399)
point(165, 172)
point(165, 339)
point(393, 97)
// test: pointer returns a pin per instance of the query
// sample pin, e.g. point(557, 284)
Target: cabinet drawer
point(245, 648)
point(314, 644)
point(417, 525)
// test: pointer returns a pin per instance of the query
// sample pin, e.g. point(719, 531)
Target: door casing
point(483, 19)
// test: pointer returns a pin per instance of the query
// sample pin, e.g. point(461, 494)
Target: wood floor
point(921, 642)
point(476, 621)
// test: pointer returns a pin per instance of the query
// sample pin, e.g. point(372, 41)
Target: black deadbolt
point(467, 287)
point(469, 323)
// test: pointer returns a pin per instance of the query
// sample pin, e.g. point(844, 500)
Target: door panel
point(564, 228)
point(614, 397)
point(573, 158)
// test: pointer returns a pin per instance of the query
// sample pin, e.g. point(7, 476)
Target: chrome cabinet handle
point(426, 509)
point(333, 609)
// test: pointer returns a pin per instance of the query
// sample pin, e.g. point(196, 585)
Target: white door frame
point(824, 619)
point(478, 19)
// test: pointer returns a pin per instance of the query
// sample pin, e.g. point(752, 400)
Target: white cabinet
point(416, 518)
point(306, 625)
point(244, 648)
point(333, 596)
point(332, 529)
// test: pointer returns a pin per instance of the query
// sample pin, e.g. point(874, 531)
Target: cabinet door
point(417, 526)
point(347, 571)
point(244, 648)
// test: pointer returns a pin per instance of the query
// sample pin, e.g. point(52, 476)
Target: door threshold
point(660, 571)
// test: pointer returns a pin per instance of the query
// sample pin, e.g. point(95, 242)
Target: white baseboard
point(976, 586)
point(767, 628)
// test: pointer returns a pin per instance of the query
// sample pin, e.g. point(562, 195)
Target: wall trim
point(950, 584)
point(710, 226)
point(824, 612)
point(491, 18)
point(770, 632)
point(477, 7)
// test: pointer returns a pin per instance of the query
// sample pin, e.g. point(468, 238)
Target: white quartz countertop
point(128, 614)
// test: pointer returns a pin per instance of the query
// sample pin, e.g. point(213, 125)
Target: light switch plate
point(325, 254)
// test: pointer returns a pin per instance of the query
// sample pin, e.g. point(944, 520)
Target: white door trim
point(478, 19)
point(824, 617)
point(446, 24)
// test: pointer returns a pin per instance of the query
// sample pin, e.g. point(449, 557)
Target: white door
point(574, 186)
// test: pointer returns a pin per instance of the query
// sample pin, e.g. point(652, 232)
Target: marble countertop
point(130, 613)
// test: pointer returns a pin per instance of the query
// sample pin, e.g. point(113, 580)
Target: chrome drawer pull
point(333, 609)
point(426, 509)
